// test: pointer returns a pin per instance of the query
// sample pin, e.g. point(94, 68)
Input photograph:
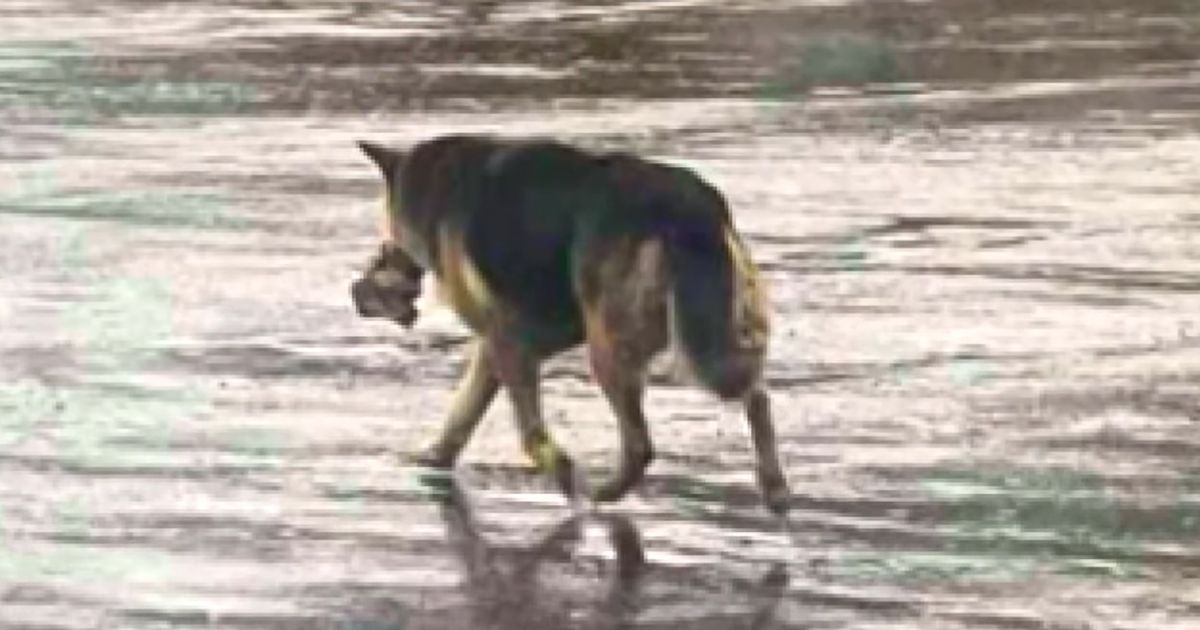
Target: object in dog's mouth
point(389, 287)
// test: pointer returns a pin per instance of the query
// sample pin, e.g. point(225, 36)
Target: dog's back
point(527, 215)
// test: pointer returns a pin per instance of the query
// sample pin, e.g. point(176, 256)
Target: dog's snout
point(371, 300)
point(356, 290)
point(410, 291)
point(366, 302)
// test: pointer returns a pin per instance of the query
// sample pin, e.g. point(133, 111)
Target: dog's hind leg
point(623, 295)
point(771, 481)
point(475, 393)
point(517, 369)
point(623, 386)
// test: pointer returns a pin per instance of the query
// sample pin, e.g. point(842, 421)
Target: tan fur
point(475, 392)
point(751, 310)
point(387, 224)
point(625, 301)
point(460, 284)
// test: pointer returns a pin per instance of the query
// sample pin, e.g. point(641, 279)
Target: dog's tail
point(718, 309)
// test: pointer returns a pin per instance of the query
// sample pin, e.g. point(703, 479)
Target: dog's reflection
point(506, 587)
point(548, 585)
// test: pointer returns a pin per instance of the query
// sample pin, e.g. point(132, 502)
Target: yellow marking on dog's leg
point(544, 455)
point(517, 369)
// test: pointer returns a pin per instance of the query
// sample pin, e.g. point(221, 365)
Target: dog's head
point(389, 286)
point(392, 281)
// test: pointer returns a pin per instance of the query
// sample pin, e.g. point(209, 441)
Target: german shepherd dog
point(538, 247)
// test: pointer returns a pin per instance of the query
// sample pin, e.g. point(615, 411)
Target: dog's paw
point(776, 496)
point(433, 457)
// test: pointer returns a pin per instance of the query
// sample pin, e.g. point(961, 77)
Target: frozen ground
point(980, 225)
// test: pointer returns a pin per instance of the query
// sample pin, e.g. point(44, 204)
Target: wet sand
point(978, 221)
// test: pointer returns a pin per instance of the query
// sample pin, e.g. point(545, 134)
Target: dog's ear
point(386, 159)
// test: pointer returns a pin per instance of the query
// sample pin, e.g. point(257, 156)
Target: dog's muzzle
point(372, 302)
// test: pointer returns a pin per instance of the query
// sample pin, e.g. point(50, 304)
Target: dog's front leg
point(475, 393)
point(517, 368)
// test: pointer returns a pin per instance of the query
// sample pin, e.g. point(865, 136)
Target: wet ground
point(979, 221)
